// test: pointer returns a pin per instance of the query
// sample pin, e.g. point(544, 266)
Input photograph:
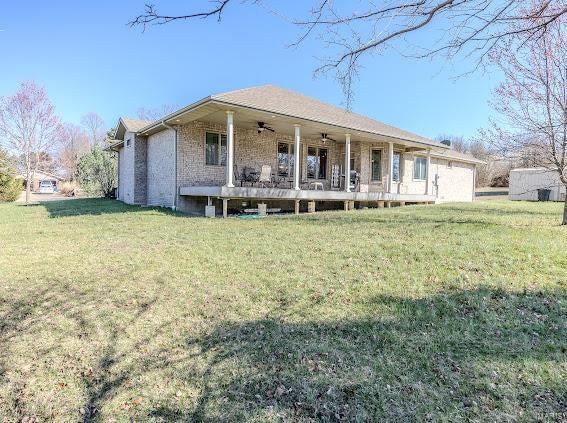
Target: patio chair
point(354, 180)
point(250, 175)
point(265, 176)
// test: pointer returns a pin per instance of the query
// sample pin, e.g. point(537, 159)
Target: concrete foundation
point(210, 211)
point(262, 209)
point(311, 207)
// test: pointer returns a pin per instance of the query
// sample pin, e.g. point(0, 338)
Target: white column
point(427, 181)
point(296, 162)
point(229, 149)
point(390, 166)
point(347, 162)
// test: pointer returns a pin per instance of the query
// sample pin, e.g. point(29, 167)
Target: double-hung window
point(285, 159)
point(376, 165)
point(316, 163)
point(420, 168)
point(215, 149)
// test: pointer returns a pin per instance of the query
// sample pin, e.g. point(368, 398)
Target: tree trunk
point(28, 182)
point(564, 222)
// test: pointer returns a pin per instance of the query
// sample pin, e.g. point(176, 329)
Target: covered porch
point(257, 158)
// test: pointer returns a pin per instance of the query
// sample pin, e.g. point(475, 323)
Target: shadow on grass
point(476, 355)
point(458, 354)
point(95, 207)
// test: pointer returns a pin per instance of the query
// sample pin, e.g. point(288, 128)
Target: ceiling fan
point(326, 138)
point(262, 127)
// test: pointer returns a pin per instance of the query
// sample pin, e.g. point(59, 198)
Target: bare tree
point(458, 143)
point(157, 113)
point(74, 143)
point(350, 31)
point(95, 127)
point(28, 126)
point(532, 102)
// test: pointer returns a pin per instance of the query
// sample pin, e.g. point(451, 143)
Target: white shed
point(525, 183)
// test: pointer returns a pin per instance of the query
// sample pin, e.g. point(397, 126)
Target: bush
point(97, 172)
point(10, 188)
point(68, 189)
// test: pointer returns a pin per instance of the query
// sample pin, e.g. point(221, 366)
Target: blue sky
point(90, 60)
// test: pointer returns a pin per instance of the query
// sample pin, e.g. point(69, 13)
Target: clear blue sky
point(90, 60)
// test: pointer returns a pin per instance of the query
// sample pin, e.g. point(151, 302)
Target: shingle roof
point(452, 154)
point(279, 100)
point(134, 125)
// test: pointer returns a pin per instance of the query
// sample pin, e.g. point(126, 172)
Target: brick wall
point(160, 169)
point(127, 169)
point(140, 170)
point(146, 166)
point(250, 150)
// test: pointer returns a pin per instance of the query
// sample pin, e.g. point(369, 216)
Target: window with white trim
point(215, 149)
point(376, 165)
point(420, 168)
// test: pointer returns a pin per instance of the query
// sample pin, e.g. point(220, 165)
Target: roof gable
point(126, 124)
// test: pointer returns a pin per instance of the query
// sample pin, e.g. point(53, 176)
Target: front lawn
point(441, 313)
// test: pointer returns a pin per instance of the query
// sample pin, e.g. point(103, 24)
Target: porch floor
point(291, 194)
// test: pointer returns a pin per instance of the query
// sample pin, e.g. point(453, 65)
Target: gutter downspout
point(174, 207)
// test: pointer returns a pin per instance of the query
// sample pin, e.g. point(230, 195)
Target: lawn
point(440, 313)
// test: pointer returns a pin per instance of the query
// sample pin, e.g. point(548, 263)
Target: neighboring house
point(526, 183)
point(206, 154)
point(40, 176)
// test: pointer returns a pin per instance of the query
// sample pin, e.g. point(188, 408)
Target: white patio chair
point(265, 175)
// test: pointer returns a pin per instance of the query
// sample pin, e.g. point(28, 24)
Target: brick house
point(209, 156)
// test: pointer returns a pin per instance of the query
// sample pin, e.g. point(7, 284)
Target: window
point(420, 168)
point(128, 142)
point(285, 159)
point(376, 165)
point(215, 149)
point(396, 168)
point(316, 163)
point(449, 164)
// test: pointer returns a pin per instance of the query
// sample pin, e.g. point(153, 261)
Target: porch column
point(427, 182)
point(229, 149)
point(390, 166)
point(347, 162)
point(296, 161)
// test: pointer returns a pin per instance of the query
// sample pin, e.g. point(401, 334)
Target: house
point(268, 145)
point(528, 184)
point(40, 176)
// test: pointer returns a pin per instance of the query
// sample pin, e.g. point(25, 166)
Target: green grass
point(440, 313)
